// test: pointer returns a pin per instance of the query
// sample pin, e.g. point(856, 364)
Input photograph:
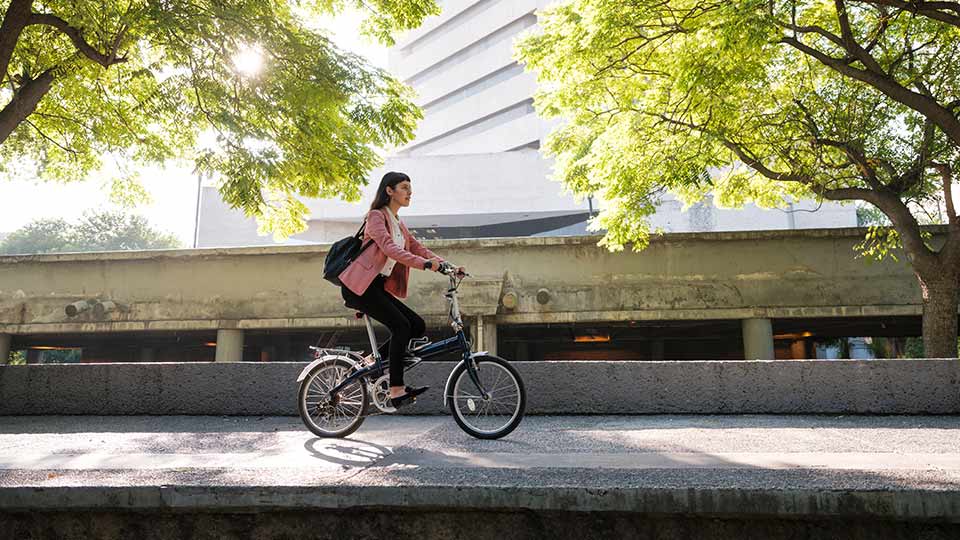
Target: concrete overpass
point(798, 283)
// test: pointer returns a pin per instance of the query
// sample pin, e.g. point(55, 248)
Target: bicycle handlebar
point(448, 269)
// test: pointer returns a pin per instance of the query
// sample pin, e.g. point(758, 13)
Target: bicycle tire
point(302, 405)
point(460, 372)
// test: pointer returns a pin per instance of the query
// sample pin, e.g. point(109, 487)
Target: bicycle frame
point(458, 341)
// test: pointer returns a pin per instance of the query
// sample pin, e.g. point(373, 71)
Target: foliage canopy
point(144, 81)
point(96, 231)
point(827, 99)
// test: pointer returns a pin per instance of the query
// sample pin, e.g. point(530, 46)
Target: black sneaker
point(409, 397)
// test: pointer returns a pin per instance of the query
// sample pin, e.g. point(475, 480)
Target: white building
point(475, 97)
point(475, 161)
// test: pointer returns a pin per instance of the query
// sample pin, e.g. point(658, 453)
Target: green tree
point(96, 231)
point(40, 236)
point(838, 100)
point(140, 80)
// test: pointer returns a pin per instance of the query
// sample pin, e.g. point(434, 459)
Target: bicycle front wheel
point(501, 411)
point(337, 417)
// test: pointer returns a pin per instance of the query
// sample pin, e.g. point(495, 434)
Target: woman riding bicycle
point(378, 277)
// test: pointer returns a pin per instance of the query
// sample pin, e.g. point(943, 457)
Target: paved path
point(51, 461)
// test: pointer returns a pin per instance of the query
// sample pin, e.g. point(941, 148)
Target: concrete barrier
point(927, 386)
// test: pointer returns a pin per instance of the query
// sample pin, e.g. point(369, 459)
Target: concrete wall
point(784, 387)
point(773, 274)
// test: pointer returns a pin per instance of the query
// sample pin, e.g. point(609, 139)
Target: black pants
point(402, 322)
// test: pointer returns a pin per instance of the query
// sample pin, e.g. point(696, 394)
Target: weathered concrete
point(766, 477)
point(928, 386)
point(758, 339)
point(229, 345)
point(432, 524)
point(738, 275)
point(4, 348)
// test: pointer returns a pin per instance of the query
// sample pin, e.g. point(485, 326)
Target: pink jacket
point(362, 271)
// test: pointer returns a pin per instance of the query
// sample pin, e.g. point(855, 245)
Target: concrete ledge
point(922, 505)
point(460, 243)
point(928, 386)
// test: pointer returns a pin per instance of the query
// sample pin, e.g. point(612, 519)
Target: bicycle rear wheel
point(340, 416)
point(501, 412)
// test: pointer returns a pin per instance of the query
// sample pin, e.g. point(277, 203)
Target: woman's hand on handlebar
point(448, 268)
point(435, 264)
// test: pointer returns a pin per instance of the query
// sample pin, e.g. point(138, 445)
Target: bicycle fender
point(318, 361)
point(447, 388)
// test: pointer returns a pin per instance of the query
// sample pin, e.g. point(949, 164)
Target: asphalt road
point(753, 451)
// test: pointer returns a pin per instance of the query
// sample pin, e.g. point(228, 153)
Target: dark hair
point(391, 179)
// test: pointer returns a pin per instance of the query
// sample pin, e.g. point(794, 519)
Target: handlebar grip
point(447, 269)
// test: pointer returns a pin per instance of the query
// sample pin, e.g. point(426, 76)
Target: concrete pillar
point(489, 335)
point(229, 345)
point(757, 339)
point(483, 334)
point(5, 348)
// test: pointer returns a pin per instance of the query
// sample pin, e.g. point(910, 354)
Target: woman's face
point(400, 194)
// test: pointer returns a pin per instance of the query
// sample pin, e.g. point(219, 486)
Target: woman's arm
point(380, 233)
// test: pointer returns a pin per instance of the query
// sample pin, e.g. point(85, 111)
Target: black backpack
point(342, 253)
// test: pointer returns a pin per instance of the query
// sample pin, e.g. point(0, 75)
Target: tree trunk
point(14, 20)
point(940, 302)
point(23, 104)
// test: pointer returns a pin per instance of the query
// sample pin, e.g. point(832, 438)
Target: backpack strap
point(359, 236)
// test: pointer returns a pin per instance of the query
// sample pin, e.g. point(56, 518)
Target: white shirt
point(398, 239)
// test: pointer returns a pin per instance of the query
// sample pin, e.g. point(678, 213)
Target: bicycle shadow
point(347, 452)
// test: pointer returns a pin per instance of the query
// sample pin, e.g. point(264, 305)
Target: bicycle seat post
point(373, 338)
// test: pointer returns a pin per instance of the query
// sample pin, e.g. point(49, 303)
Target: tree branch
point(858, 159)
point(932, 10)
point(812, 28)
point(889, 203)
point(906, 225)
point(850, 42)
point(14, 22)
point(105, 60)
point(880, 30)
point(938, 114)
point(742, 154)
point(946, 176)
point(24, 102)
point(47, 137)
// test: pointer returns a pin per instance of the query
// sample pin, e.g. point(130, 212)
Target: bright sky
point(173, 190)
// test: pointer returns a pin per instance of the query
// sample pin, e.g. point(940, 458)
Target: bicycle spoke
point(347, 404)
point(500, 408)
